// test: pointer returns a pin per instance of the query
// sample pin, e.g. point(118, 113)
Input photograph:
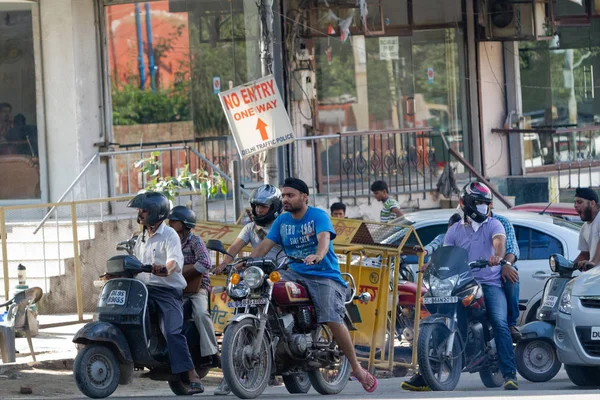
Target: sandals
point(196, 388)
point(370, 384)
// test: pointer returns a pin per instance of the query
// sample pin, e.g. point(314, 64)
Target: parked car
point(538, 236)
point(565, 211)
point(577, 332)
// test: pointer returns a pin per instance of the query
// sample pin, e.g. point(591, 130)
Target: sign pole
point(266, 56)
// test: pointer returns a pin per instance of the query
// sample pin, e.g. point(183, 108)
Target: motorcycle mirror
point(216, 245)
point(364, 297)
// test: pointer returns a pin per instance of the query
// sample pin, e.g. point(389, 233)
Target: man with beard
point(586, 205)
point(307, 233)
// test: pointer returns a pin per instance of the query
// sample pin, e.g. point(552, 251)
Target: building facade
point(370, 85)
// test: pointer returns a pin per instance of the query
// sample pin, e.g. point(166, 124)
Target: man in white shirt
point(586, 205)
point(162, 249)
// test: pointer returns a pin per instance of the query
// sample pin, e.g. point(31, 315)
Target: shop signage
point(389, 48)
point(257, 116)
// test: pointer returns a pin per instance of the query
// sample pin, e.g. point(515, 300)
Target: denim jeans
point(495, 303)
point(511, 290)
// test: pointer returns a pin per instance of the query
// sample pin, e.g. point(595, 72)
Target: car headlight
point(254, 277)
point(565, 299)
point(442, 287)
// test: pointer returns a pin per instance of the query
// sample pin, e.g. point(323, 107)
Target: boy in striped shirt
point(391, 208)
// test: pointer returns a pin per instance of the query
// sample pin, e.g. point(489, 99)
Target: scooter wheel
point(96, 370)
point(537, 360)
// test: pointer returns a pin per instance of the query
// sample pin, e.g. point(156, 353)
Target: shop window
point(19, 149)
point(168, 61)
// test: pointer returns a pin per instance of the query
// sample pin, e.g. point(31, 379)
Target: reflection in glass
point(19, 161)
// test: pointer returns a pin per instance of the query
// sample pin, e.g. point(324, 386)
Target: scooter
point(535, 355)
point(126, 336)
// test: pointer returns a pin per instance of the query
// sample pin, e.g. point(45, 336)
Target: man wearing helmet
point(266, 207)
point(162, 249)
point(196, 268)
point(484, 237)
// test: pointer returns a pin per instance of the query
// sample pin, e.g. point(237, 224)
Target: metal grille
point(592, 347)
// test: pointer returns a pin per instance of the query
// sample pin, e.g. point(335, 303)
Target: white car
point(577, 333)
point(538, 236)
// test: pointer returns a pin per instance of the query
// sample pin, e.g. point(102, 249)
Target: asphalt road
point(469, 387)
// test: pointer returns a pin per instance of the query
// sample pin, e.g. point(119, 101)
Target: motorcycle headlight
point(254, 277)
point(239, 291)
point(565, 299)
point(442, 287)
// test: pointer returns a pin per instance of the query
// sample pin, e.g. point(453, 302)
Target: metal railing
point(128, 179)
point(346, 164)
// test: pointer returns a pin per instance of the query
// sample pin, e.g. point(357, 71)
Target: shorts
point(327, 295)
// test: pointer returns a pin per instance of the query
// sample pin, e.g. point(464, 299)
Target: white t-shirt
point(160, 248)
point(254, 234)
point(589, 235)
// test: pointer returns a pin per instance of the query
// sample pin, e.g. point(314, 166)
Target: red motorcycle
point(275, 332)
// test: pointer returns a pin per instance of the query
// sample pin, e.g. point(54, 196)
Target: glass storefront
point(560, 82)
point(168, 61)
point(19, 153)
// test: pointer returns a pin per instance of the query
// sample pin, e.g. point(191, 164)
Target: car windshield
point(566, 224)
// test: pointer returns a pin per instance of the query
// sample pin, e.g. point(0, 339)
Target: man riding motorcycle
point(162, 249)
point(484, 238)
point(586, 204)
point(306, 232)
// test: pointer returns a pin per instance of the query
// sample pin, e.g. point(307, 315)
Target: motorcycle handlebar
point(483, 263)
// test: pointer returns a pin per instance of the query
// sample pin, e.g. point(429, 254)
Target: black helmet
point(471, 193)
point(183, 214)
point(156, 203)
point(266, 195)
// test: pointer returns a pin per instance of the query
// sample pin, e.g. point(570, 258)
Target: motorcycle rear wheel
point(329, 380)
point(432, 362)
point(247, 376)
point(491, 379)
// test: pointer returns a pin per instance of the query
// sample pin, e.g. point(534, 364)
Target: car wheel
point(583, 376)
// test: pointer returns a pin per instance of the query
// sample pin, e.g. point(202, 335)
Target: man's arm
point(397, 212)
point(499, 243)
point(237, 245)
point(583, 256)
point(263, 248)
point(323, 238)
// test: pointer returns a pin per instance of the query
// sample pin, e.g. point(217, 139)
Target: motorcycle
point(457, 337)
point(126, 335)
point(536, 357)
point(274, 332)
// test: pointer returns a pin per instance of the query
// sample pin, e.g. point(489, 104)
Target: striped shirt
point(386, 214)
point(196, 253)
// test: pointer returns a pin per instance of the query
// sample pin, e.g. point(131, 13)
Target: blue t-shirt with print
point(299, 239)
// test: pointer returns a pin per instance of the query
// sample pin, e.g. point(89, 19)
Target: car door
point(535, 247)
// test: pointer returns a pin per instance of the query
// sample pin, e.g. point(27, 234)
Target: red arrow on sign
point(262, 127)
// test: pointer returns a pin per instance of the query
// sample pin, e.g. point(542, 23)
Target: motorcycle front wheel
point(441, 372)
point(334, 379)
point(246, 374)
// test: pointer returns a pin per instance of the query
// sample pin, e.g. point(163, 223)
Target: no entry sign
point(257, 116)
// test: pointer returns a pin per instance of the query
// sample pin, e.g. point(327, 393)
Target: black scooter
point(536, 357)
point(126, 336)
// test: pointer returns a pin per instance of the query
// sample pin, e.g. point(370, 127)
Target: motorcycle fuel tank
point(286, 293)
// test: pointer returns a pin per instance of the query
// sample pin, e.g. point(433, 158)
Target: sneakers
point(516, 334)
point(223, 389)
point(510, 382)
point(415, 384)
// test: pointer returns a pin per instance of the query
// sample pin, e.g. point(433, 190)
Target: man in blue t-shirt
point(307, 233)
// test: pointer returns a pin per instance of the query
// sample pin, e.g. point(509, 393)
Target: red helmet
point(475, 192)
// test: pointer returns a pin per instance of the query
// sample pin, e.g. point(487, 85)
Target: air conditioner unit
point(514, 20)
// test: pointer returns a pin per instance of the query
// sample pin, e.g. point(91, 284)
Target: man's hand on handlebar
point(312, 259)
point(160, 270)
point(494, 260)
point(585, 265)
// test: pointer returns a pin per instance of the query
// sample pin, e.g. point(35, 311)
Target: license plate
point(117, 297)
point(247, 302)
point(595, 332)
point(440, 300)
point(550, 301)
